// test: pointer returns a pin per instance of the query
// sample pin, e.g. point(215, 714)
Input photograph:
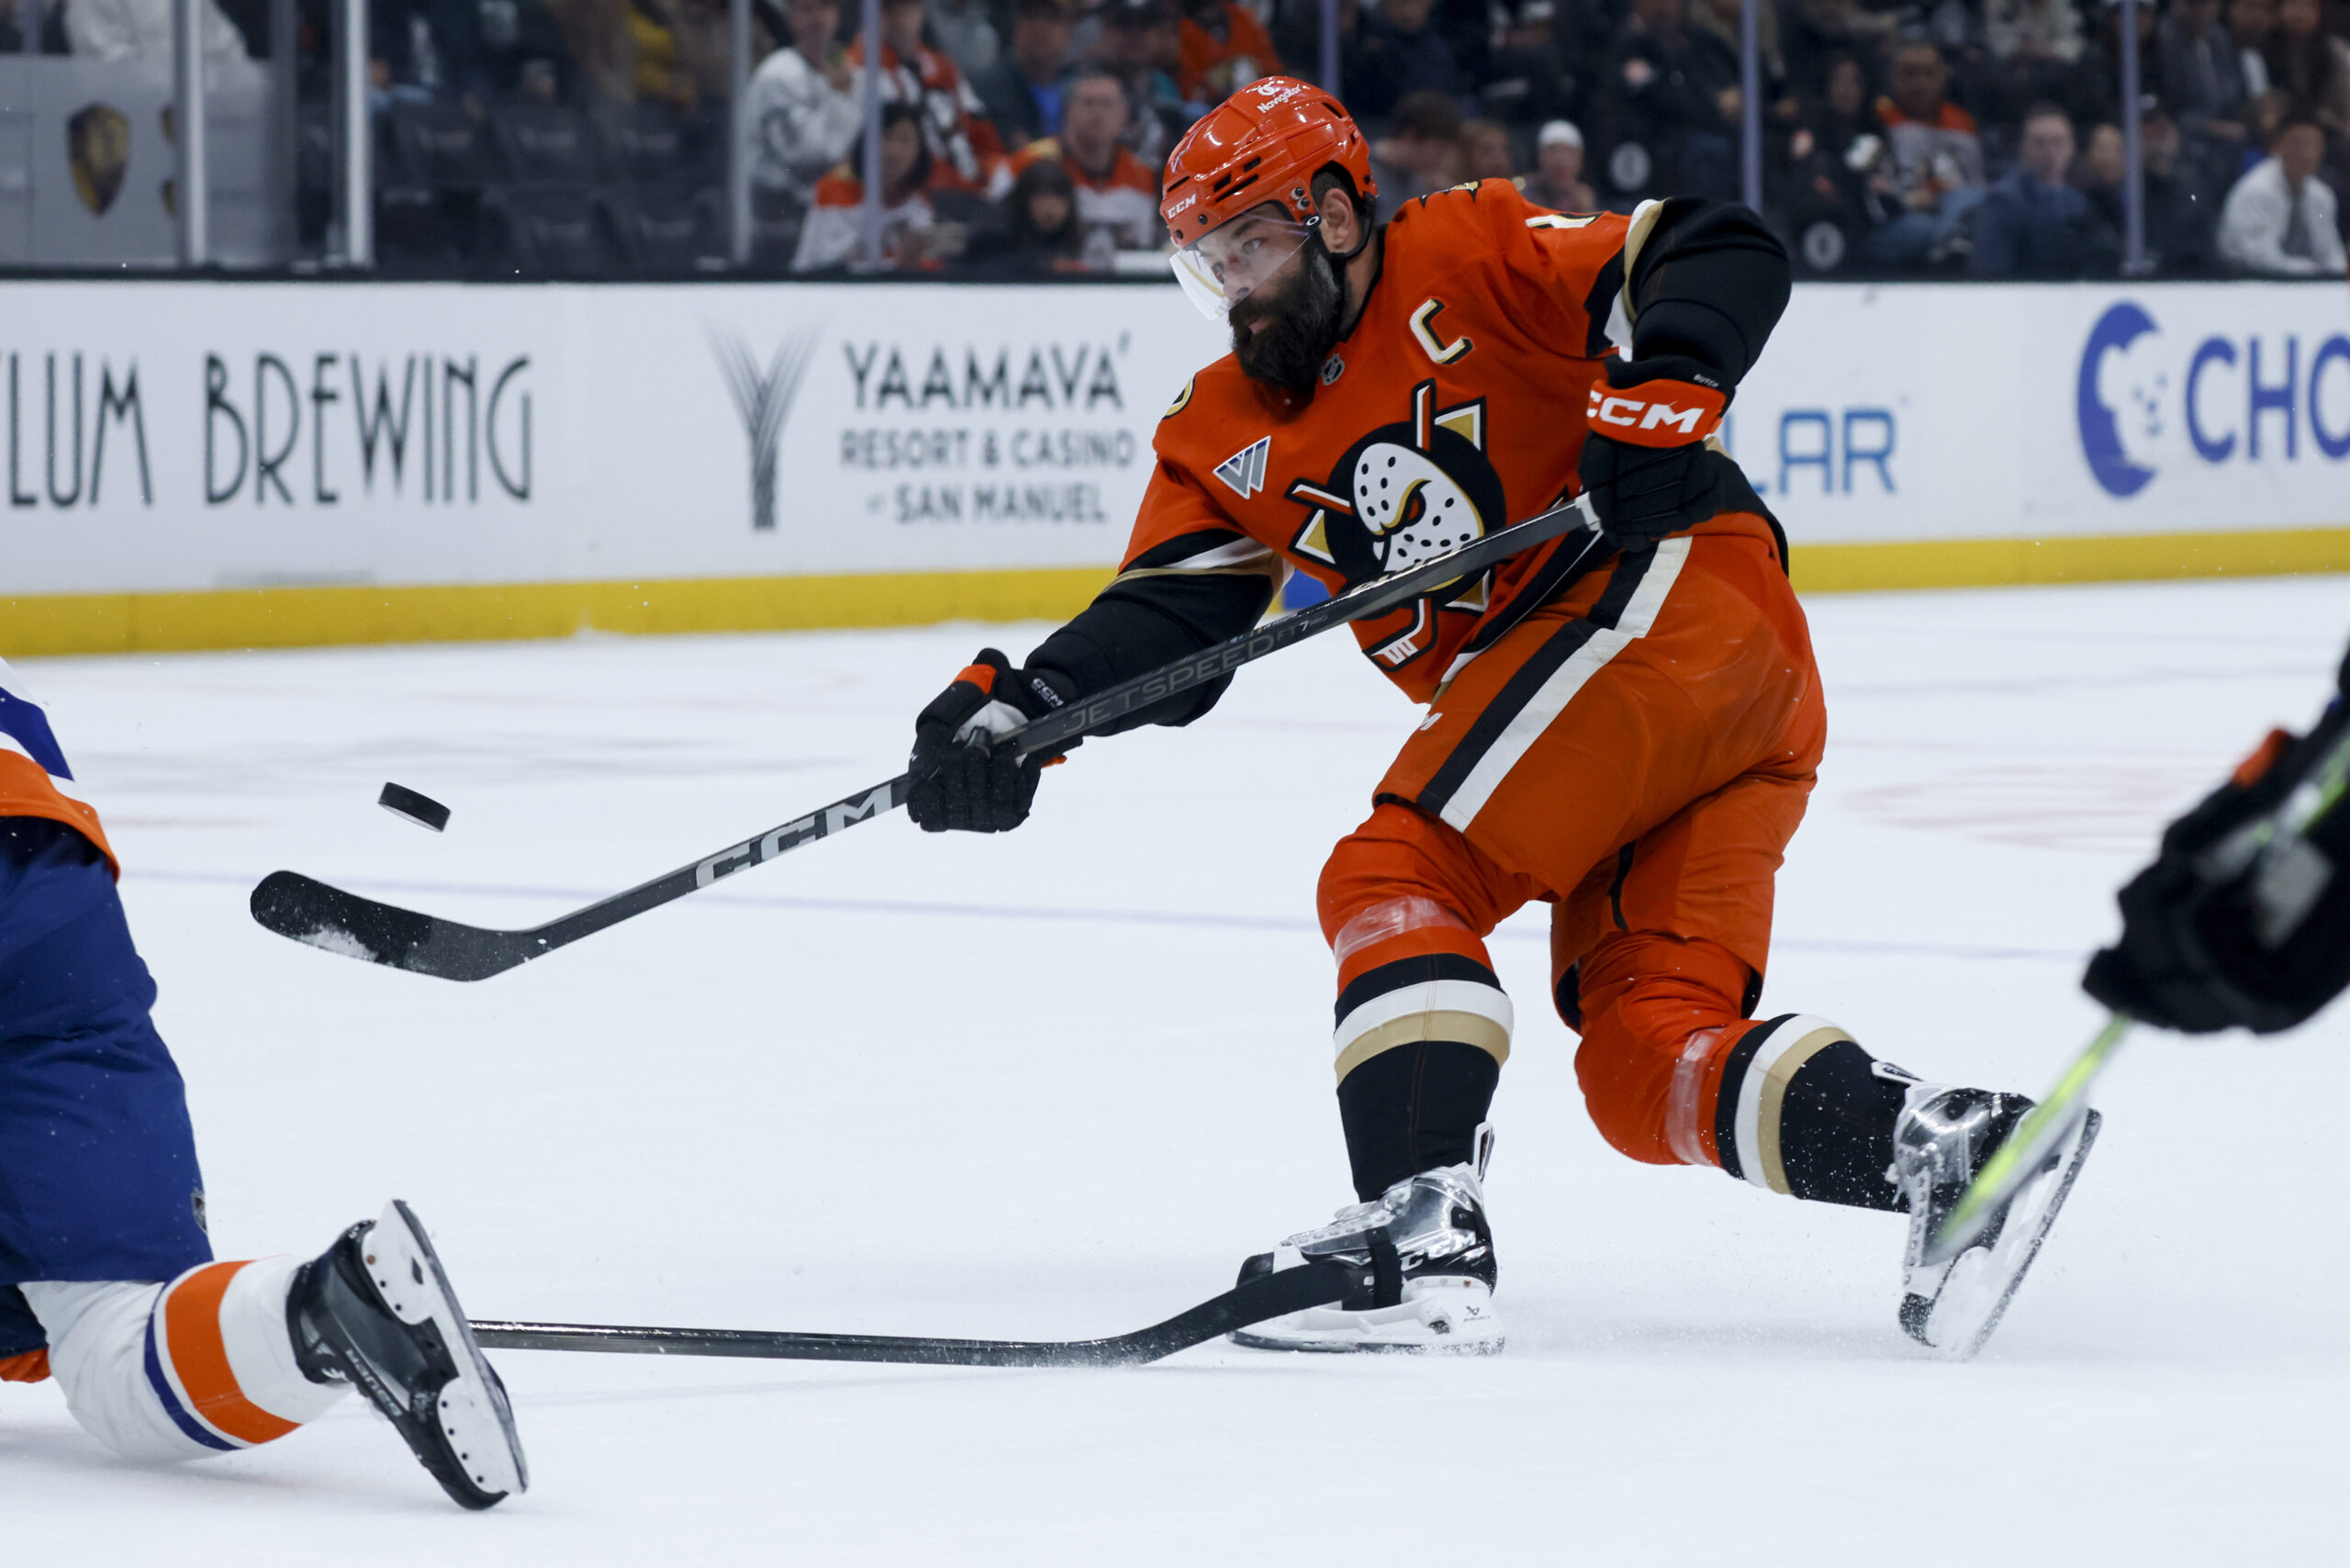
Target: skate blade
point(1442, 1321)
point(473, 1414)
point(1981, 1283)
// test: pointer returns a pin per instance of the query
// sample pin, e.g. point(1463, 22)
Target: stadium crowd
point(1024, 138)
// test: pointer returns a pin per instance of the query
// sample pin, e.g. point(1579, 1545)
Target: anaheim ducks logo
point(1402, 495)
point(98, 152)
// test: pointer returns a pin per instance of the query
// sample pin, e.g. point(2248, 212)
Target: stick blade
point(318, 915)
point(2016, 1161)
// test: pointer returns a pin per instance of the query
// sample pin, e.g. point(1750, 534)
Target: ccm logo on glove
point(1657, 414)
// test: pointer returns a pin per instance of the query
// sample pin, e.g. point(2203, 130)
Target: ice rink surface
point(1056, 1084)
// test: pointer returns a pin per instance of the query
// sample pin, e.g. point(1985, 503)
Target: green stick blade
point(2014, 1161)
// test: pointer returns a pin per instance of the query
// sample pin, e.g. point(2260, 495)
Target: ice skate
point(1942, 1138)
point(1423, 1258)
point(376, 1311)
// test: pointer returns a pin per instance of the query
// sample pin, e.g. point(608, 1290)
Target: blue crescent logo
point(2119, 326)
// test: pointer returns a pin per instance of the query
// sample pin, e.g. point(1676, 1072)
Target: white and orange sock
point(203, 1364)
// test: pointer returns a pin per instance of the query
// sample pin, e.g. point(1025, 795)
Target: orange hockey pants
point(1637, 756)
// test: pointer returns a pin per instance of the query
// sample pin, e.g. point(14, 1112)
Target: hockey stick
point(324, 916)
point(2016, 1161)
point(1271, 1295)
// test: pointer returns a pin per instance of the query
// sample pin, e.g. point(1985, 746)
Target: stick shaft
point(1271, 1296)
point(310, 911)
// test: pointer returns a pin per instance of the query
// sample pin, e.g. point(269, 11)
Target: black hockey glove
point(962, 782)
point(1645, 464)
point(2244, 919)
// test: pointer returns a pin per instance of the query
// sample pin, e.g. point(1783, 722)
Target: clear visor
point(1226, 264)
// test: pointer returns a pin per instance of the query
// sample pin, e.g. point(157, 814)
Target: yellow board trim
point(301, 617)
point(38, 625)
point(2072, 558)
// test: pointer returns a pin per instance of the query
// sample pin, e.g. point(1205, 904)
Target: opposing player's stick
point(311, 910)
point(2281, 875)
point(1273, 1296)
point(2017, 1160)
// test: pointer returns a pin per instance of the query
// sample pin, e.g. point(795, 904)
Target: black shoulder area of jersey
point(1710, 281)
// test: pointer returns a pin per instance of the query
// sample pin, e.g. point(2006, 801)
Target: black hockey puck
point(421, 810)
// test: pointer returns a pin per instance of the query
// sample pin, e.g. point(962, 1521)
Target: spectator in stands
point(1225, 49)
point(802, 111)
point(963, 29)
point(702, 69)
point(1830, 153)
point(965, 153)
point(1043, 237)
point(2267, 112)
point(1420, 154)
point(2311, 69)
point(2033, 45)
point(1022, 93)
point(2099, 173)
point(1467, 28)
point(497, 50)
point(2095, 91)
point(912, 238)
point(1557, 181)
point(2032, 222)
point(403, 57)
point(1932, 168)
point(2280, 220)
point(1528, 74)
point(1369, 73)
point(1725, 19)
point(1830, 126)
point(1679, 91)
point(1820, 33)
point(1116, 196)
point(471, 50)
point(2179, 207)
point(2199, 79)
point(138, 32)
point(1485, 151)
point(626, 51)
point(1404, 55)
point(1140, 42)
point(2251, 24)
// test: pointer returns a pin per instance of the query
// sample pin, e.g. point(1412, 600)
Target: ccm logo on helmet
point(1656, 413)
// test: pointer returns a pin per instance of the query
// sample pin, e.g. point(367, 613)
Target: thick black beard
point(1300, 326)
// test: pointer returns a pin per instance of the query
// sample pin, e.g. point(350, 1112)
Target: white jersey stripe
point(1802, 1036)
point(1550, 700)
point(1428, 996)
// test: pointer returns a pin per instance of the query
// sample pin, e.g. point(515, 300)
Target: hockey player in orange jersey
point(1627, 733)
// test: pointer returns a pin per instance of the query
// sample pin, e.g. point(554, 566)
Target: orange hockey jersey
point(1455, 408)
point(34, 780)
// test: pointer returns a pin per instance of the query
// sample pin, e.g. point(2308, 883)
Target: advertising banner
point(191, 439)
point(173, 437)
point(1961, 412)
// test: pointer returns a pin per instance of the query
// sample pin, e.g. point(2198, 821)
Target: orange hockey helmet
point(1264, 143)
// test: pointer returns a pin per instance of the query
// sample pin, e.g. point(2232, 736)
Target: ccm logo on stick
point(792, 834)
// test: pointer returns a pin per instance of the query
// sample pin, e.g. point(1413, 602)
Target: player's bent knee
point(1627, 1084)
point(1390, 890)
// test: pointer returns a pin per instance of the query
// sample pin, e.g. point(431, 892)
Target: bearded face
point(1282, 331)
